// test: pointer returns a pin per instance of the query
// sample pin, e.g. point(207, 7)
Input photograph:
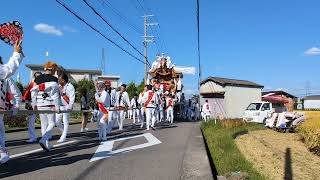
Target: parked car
point(259, 111)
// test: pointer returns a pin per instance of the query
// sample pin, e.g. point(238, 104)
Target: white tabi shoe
point(4, 156)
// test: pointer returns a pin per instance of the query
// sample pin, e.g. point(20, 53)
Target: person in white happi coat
point(149, 101)
point(32, 117)
point(161, 106)
point(103, 101)
point(112, 115)
point(157, 109)
point(68, 96)
point(122, 103)
point(142, 112)
point(134, 105)
point(206, 109)
point(46, 96)
point(169, 108)
point(130, 112)
point(10, 97)
point(8, 69)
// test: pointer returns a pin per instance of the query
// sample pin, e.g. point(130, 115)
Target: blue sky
point(274, 43)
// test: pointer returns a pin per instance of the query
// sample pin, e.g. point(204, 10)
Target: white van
point(259, 111)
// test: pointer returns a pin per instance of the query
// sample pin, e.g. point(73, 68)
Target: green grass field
point(226, 156)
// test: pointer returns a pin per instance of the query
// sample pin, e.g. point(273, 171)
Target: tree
point(131, 89)
point(140, 86)
point(85, 85)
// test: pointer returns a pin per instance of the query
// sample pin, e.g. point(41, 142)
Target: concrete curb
point(196, 163)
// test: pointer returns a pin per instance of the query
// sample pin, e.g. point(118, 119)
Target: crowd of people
point(145, 109)
point(53, 99)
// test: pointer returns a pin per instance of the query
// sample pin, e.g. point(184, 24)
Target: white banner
point(186, 70)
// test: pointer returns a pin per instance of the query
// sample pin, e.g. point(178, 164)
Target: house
point(113, 79)
point(311, 102)
point(289, 98)
point(229, 98)
point(74, 74)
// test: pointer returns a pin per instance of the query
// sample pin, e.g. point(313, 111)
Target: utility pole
point(103, 62)
point(147, 39)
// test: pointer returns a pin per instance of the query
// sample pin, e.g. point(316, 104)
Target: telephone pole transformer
point(146, 40)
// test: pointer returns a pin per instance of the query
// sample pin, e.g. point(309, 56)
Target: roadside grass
point(226, 156)
point(310, 131)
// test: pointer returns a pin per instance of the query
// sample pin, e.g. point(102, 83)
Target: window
point(254, 106)
point(265, 107)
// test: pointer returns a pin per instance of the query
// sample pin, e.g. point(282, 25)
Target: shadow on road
point(57, 157)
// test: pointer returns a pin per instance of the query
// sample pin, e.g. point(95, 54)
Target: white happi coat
point(133, 103)
point(124, 101)
point(46, 96)
point(152, 103)
point(67, 96)
point(104, 98)
point(8, 69)
point(8, 86)
point(206, 109)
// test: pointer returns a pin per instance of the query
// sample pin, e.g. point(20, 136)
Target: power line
point(114, 29)
point(122, 17)
point(104, 36)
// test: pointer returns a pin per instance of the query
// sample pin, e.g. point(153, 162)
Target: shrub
point(15, 121)
point(310, 131)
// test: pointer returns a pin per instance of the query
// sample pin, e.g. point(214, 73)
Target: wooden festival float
point(164, 76)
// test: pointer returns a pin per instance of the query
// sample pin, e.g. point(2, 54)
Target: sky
point(273, 43)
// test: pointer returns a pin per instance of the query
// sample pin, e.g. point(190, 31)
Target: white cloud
point(47, 29)
point(69, 29)
point(314, 51)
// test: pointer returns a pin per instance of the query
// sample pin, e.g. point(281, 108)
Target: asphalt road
point(165, 159)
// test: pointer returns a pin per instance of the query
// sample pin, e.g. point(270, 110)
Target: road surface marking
point(40, 149)
point(105, 149)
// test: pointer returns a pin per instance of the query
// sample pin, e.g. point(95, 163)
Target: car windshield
point(254, 106)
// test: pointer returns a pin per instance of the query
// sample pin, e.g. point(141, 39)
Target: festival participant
point(8, 69)
point(122, 103)
point(196, 110)
point(10, 97)
point(112, 115)
point(133, 104)
point(169, 108)
point(103, 100)
point(46, 96)
point(189, 110)
point(68, 96)
point(140, 101)
point(206, 111)
point(149, 103)
point(32, 117)
point(84, 107)
point(161, 108)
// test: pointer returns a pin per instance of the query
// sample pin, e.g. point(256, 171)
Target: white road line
point(40, 149)
point(105, 149)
